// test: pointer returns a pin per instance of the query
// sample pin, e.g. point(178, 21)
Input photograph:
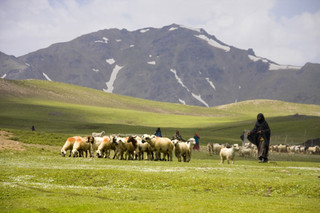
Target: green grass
point(39, 180)
point(67, 109)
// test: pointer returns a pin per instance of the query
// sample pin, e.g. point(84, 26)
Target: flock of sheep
point(135, 148)
point(128, 148)
point(250, 150)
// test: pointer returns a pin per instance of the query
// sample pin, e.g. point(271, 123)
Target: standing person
point(178, 136)
point(196, 138)
point(260, 136)
point(158, 133)
point(33, 128)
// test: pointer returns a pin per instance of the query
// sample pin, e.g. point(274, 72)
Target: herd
point(149, 147)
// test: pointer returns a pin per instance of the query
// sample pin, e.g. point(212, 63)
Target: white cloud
point(26, 26)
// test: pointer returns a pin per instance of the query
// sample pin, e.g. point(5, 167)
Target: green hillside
point(54, 107)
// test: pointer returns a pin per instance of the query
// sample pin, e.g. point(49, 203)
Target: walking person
point(196, 138)
point(260, 136)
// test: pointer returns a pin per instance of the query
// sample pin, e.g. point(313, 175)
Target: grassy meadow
point(35, 178)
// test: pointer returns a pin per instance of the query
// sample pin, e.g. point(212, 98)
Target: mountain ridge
point(170, 64)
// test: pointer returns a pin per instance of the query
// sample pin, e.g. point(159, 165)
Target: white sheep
point(228, 154)
point(98, 134)
point(184, 149)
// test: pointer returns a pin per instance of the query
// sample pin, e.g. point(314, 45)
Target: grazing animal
point(98, 134)
point(83, 145)
point(184, 149)
point(227, 154)
point(68, 145)
point(160, 145)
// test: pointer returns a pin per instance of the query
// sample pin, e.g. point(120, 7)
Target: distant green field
point(61, 108)
point(35, 178)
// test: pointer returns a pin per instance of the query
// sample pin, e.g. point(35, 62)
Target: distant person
point(196, 138)
point(158, 133)
point(260, 136)
point(33, 128)
point(178, 136)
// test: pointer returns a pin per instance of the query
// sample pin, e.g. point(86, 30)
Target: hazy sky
point(285, 31)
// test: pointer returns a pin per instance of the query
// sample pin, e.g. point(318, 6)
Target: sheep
point(313, 150)
point(160, 145)
point(126, 145)
point(282, 148)
point(83, 145)
point(245, 152)
point(216, 148)
point(68, 145)
point(228, 154)
point(104, 145)
point(141, 148)
point(98, 134)
point(184, 149)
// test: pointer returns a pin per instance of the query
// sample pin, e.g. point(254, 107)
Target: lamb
point(184, 149)
point(160, 145)
point(98, 134)
point(227, 154)
point(83, 145)
point(68, 145)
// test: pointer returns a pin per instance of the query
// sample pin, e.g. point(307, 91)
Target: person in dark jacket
point(260, 136)
point(158, 133)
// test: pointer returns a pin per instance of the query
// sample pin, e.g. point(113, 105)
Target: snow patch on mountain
point(118, 40)
point(211, 84)
point(213, 43)
point(144, 30)
point(282, 67)
point(113, 77)
point(255, 59)
point(95, 70)
point(104, 40)
point(132, 45)
point(151, 62)
point(198, 97)
point(173, 28)
point(182, 101)
point(4, 76)
point(110, 61)
point(179, 79)
point(46, 76)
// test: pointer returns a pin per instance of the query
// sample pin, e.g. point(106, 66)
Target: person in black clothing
point(177, 136)
point(158, 133)
point(260, 136)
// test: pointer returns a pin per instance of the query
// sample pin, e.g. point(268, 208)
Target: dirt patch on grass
point(8, 144)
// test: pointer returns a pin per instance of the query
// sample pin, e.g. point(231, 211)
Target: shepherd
point(260, 136)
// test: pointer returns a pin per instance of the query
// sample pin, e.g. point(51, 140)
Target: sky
point(284, 31)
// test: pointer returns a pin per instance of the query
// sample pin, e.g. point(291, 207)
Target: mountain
point(169, 64)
